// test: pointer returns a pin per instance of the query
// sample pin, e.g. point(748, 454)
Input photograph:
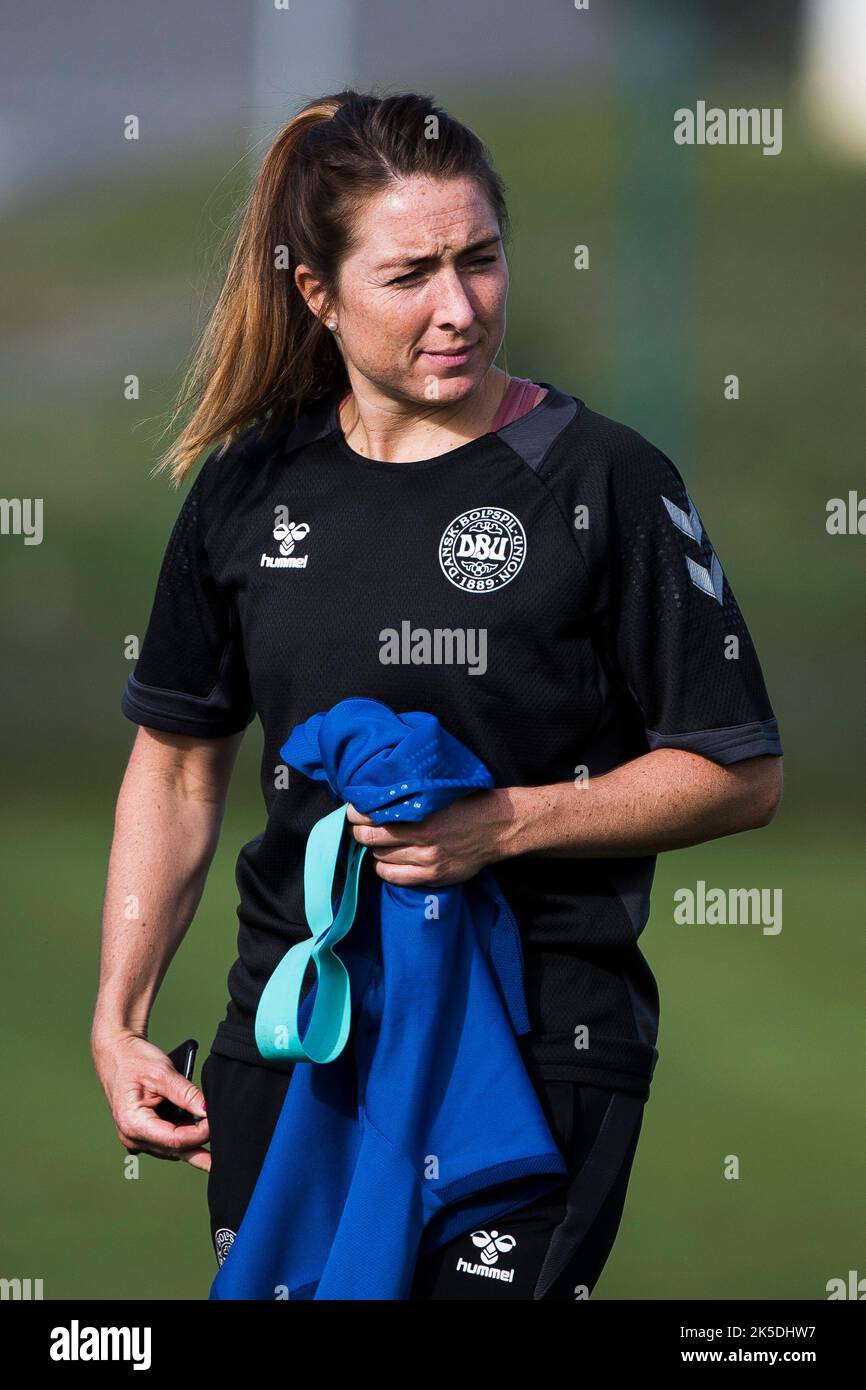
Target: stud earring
point(332, 324)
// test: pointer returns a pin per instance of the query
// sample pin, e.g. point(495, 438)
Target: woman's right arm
point(167, 822)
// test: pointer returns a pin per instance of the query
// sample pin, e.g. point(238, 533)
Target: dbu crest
point(482, 549)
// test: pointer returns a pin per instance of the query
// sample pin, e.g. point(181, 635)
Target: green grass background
point(761, 1037)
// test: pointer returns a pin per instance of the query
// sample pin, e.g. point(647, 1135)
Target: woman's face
point(394, 316)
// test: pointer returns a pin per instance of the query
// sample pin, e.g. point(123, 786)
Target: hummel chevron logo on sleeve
point(687, 522)
point(709, 581)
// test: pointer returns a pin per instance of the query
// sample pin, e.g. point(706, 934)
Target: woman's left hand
point(448, 846)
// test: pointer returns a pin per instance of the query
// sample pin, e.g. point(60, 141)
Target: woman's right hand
point(136, 1077)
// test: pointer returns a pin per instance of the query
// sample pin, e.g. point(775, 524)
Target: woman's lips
point(453, 359)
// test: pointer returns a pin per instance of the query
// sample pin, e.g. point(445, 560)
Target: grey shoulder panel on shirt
point(533, 433)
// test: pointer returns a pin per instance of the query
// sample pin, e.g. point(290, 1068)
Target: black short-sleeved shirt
point(548, 591)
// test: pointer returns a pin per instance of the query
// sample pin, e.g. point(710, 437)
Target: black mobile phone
point(183, 1059)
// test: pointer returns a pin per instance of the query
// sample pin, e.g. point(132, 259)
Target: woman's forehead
point(424, 219)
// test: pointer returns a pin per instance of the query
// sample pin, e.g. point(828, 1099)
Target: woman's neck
point(378, 429)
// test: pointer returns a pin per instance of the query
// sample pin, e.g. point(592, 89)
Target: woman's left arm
point(666, 799)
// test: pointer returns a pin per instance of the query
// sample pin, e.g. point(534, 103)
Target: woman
point(391, 515)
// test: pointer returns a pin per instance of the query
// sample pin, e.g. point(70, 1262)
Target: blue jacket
point(426, 1124)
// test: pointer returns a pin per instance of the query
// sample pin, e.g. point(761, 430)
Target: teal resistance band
point(277, 1032)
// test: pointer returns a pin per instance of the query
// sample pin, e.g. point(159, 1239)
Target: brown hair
point(262, 352)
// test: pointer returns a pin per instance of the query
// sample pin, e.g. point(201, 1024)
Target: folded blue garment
point(426, 1124)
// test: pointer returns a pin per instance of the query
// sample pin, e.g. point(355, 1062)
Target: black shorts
point(553, 1248)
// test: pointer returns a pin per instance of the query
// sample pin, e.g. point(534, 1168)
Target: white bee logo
point(492, 1245)
point(288, 534)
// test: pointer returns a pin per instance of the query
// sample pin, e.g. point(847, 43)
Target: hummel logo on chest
point(288, 533)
